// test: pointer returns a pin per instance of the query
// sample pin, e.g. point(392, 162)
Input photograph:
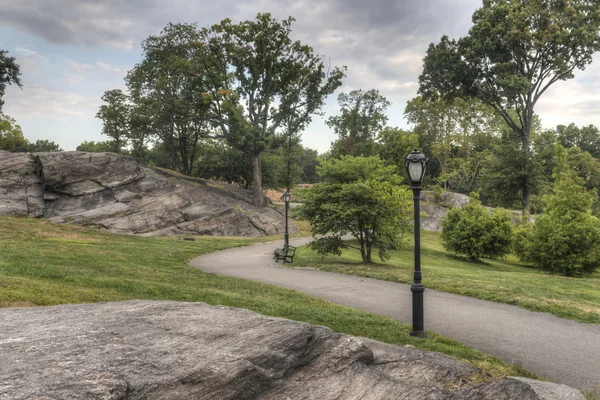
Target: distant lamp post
point(415, 167)
point(286, 199)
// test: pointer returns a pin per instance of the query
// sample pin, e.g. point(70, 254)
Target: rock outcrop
point(433, 212)
point(169, 350)
point(113, 192)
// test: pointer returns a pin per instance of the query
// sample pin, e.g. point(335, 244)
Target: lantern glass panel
point(415, 171)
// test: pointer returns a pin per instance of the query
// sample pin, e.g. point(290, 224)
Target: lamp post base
point(417, 290)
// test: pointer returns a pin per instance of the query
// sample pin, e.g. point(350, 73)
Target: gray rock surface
point(434, 213)
point(113, 192)
point(21, 191)
point(169, 350)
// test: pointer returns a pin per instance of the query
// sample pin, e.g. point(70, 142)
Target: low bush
point(565, 239)
point(476, 233)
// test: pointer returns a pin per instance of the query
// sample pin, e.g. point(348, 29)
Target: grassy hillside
point(504, 281)
point(45, 264)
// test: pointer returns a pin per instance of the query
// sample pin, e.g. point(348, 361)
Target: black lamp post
point(286, 199)
point(415, 166)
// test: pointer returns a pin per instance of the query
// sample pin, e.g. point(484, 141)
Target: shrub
point(474, 232)
point(566, 238)
point(358, 196)
point(438, 192)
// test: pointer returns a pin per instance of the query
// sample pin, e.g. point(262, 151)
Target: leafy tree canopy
point(514, 52)
point(362, 116)
point(587, 138)
point(265, 86)
point(11, 135)
point(9, 74)
point(358, 196)
point(115, 116)
point(394, 145)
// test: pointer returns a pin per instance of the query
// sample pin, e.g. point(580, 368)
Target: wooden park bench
point(286, 254)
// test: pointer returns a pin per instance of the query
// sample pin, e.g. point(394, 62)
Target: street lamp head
point(415, 166)
point(286, 197)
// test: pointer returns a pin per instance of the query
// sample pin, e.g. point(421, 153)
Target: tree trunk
point(369, 248)
point(363, 253)
point(527, 183)
point(258, 199)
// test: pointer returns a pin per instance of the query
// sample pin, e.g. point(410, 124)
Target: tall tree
point(265, 87)
point(142, 130)
point(362, 116)
point(169, 85)
point(115, 116)
point(9, 74)
point(514, 52)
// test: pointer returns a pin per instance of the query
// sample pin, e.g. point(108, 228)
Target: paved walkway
point(561, 350)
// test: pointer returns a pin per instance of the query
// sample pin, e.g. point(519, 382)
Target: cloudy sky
point(71, 51)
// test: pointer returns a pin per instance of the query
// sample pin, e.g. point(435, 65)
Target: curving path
point(561, 350)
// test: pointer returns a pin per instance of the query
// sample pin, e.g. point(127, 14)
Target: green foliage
point(362, 116)
point(359, 196)
point(438, 191)
point(474, 232)
point(96, 147)
point(219, 161)
point(115, 117)
point(269, 87)
point(510, 168)
point(587, 138)
point(515, 50)
point(11, 135)
point(394, 145)
point(566, 238)
point(309, 161)
point(12, 139)
point(42, 146)
point(523, 238)
point(456, 136)
point(9, 74)
point(168, 89)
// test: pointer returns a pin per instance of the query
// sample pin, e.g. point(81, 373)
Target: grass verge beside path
point(503, 281)
point(45, 264)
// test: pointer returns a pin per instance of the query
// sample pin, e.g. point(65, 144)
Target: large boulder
point(114, 192)
point(169, 350)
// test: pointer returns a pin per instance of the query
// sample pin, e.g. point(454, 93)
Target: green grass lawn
point(45, 264)
point(504, 281)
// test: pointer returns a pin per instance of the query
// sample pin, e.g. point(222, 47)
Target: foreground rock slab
point(114, 192)
point(170, 350)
